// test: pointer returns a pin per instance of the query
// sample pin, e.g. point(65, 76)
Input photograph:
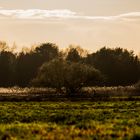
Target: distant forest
point(118, 66)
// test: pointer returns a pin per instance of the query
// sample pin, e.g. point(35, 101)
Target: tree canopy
point(119, 66)
point(72, 76)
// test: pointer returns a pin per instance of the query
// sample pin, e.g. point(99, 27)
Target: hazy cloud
point(37, 13)
point(132, 15)
point(128, 16)
point(60, 14)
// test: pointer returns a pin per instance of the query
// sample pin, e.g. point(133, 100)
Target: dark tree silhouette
point(75, 54)
point(29, 63)
point(120, 66)
point(7, 66)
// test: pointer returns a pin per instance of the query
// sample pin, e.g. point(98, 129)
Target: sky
point(91, 24)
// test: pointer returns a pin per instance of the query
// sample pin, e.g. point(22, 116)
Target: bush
point(61, 74)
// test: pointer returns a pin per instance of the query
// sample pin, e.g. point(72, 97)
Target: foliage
point(72, 76)
point(120, 66)
point(7, 66)
point(75, 54)
point(27, 64)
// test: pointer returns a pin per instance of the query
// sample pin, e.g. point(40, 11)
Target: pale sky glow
point(91, 24)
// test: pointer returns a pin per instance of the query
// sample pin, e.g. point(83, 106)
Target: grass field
point(69, 120)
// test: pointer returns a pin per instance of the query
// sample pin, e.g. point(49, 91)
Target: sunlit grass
point(69, 120)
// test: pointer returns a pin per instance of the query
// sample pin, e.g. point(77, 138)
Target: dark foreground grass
point(69, 120)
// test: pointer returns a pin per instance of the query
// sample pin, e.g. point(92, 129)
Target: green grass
point(69, 120)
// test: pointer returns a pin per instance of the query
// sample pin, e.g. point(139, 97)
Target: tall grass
point(101, 93)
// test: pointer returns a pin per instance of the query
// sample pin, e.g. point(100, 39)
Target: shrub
point(61, 74)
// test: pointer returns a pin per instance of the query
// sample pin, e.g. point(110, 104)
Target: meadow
point(70, 120)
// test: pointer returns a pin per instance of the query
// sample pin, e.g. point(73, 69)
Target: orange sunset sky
point(91, 24)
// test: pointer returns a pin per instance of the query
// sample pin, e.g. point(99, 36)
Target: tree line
point(105, 67)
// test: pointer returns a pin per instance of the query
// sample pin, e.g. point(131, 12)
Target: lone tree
point(68, 75)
